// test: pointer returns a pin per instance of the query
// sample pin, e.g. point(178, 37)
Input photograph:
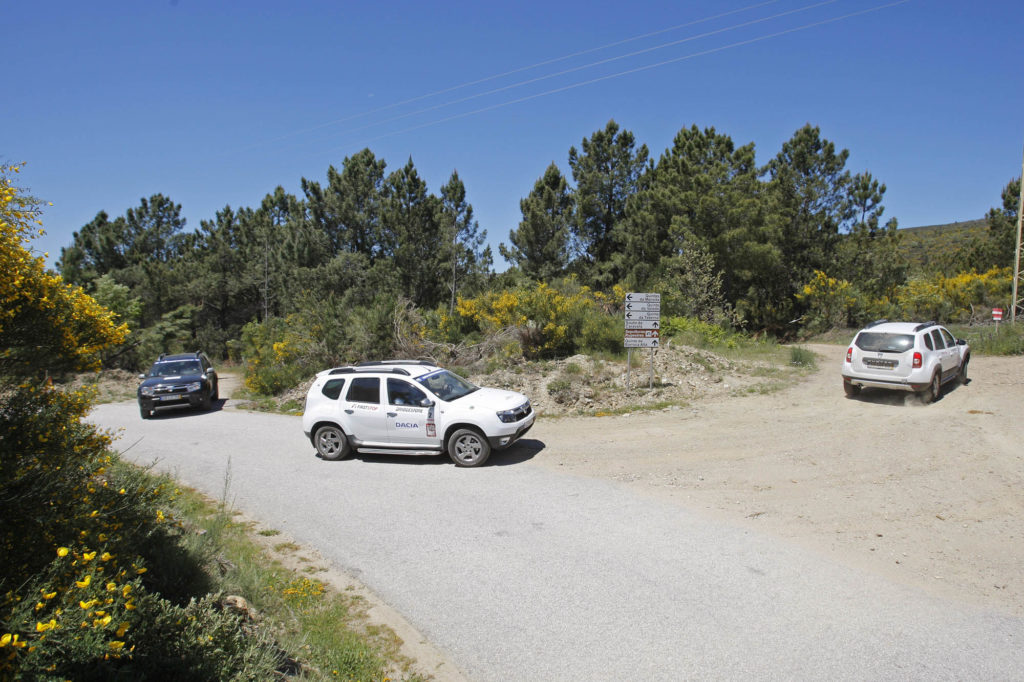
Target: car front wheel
point(468, 448)
point(331, 443)
point(963, 371)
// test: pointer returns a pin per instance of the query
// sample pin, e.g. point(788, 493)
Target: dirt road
point(926, 495)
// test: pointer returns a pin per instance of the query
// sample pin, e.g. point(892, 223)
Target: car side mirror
point(426, 402)
point(961, 342)
point(142, 376)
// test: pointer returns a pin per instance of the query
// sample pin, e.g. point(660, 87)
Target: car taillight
point(917, 360)
point(849, 354)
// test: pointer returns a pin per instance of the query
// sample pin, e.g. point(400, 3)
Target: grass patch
point(802, 357)
point(325, 631)
point(269, 532)
point(1006, 339)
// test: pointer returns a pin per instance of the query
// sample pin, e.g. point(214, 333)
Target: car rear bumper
point(892, 384)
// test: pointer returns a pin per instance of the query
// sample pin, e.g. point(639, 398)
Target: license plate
point(880, 364)
point(170, 397)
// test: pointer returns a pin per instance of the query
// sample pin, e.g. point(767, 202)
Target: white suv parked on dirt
point(905, 356)
point(411, 407)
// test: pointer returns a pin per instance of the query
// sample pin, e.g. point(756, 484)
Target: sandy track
point(927, 495)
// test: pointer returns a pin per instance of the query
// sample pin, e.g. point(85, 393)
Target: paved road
point(519, 572)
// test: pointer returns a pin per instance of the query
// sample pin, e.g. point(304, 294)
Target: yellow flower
point(107, 556)
point(121, 629)
point(88, 556)
point(5, 640)
point(50, 595)
point(43, 627)
point(111, 587)
point(115, 645)
point(62, 552)
point(86, 605)
point(84, 582)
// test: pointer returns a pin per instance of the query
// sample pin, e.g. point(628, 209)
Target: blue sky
point(216, 103)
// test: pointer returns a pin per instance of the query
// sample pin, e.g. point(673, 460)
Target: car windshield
point(176, 368)
point(447, 386)
point(884, 343)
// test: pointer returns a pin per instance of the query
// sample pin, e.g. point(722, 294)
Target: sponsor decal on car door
point(408, 414)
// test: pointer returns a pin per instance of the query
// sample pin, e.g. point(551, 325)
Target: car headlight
point(193, 387)
point(513, 415)
point(146, 391)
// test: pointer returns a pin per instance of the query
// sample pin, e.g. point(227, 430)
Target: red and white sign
point(997, 314)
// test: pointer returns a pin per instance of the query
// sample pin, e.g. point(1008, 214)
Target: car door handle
point(392, 414)
point(349, 411)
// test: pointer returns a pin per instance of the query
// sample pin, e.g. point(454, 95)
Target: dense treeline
point(722, 238)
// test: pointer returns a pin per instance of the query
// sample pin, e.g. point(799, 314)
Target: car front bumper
point(502, 441)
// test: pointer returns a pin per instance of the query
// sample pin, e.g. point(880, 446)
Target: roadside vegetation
point(109, 572)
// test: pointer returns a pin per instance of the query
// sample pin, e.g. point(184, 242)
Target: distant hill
point(924, 245)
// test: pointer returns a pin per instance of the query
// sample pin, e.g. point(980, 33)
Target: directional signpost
point(642, 313)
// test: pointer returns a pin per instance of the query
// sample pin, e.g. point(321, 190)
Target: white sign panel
point(650, 317)
point(642, 334)
point(635, 297)
point(643, 324)
point(644, 306)
point(640, 343)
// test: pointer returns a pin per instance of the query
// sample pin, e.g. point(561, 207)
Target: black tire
point(962, 376)
point(146, 414)
point(216, 390)
point(331, 443)
point(934, 390)
point(850, 389)
point(468, 448)
point(207, 402)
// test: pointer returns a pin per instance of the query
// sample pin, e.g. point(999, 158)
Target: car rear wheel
point(934, 389)
point(331, 443)
point(468, 448)
point(850, 389)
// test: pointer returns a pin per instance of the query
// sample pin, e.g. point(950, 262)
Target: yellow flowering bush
point(831, 302)
point(950, 299)
point(45, 324)
point(549, 321)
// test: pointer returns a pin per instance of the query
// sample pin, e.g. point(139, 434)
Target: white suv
point(411, 407)
point(905, 356)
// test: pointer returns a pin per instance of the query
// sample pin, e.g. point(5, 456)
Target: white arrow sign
point(640, 343)
point(644, 306)
point(654, 316)
point(643, 324)
point(635, 297)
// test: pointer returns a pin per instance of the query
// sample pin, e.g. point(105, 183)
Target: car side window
point(403, 393)
point(950, 341)
point(364, 390)
point(937, 337)
point(332, 389)
point(928, 342)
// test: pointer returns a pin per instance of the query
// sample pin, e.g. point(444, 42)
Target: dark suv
point(185, 378)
